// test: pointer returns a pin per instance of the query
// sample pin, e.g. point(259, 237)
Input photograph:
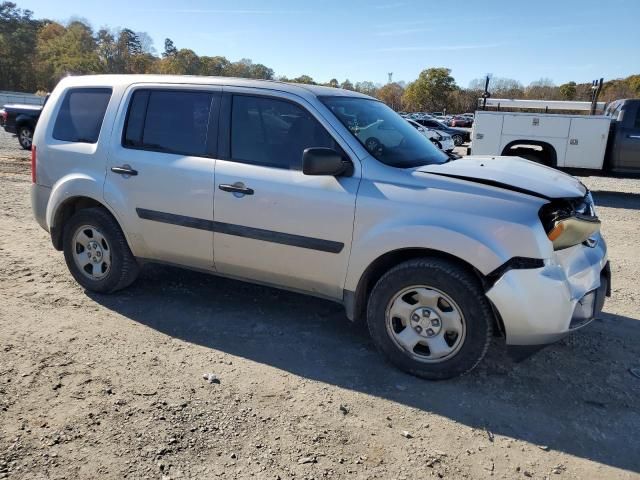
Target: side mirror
point(325, 161)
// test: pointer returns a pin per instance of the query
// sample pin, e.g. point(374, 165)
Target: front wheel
point(97, 253)
point(457, 140)
point(25, 137)
point(430, 318)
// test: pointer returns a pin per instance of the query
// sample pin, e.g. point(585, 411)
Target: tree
point(366, 87)
point(333, 83)
point(303, 79)
point(184, 62)
point(18, 43)
point(391, 94)
point(146, 43)
point(431, 90)
point(346, 85)
point(543, 89)
point(258, 70)
point(128, 52)
point(568, 90)
point(214, 66)
point(169, 48)
point(107, 50)
point(66, 51)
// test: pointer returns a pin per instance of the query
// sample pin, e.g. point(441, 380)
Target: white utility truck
point(609, 141)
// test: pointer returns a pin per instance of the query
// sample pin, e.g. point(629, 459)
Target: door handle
point(124, 170)
point(236, 188)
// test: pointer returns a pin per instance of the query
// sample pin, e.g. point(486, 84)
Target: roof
point(295, 88)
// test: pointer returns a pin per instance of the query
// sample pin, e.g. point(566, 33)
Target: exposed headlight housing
point(569, 221)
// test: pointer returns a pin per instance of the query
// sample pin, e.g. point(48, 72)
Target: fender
point(23, 119)
point(484, 250)
point(73, 186)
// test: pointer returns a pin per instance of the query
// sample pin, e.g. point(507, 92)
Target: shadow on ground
point(571, 397)
point(606, 198)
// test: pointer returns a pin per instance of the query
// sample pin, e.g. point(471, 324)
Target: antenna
point(390, 77)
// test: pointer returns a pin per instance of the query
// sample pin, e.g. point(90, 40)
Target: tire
point(25, 136)
point(98, 226)
point(457, 139)
point(459, 295)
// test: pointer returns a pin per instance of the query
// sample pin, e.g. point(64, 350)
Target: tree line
point(36, 53)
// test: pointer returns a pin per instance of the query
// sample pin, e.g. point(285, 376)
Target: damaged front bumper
point(541, 305)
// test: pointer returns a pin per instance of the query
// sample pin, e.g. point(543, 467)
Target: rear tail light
point(33, 164)
point(4, 115)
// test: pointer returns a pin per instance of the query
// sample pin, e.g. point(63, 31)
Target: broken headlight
point(569, 221)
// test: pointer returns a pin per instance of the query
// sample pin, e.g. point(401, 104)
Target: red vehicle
point(462, 121)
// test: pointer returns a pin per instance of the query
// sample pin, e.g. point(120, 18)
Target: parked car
point(21, 120)
point(462, 121)
point(458, 135)
point(439, 139)
point(259, 180)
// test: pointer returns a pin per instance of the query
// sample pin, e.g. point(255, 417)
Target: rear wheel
point(25, 136)
point(430, 318)
point(97, 253)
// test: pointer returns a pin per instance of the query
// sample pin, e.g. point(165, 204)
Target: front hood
point(511, 173)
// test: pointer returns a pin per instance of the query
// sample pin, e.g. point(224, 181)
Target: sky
point(562, 40)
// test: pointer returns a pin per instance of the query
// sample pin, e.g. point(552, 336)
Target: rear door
point(273, 224)
point(161, 171)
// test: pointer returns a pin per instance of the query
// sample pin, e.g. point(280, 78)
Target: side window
point(274, 133)
point(637, 122)
point(170, 121)
point(81, 115)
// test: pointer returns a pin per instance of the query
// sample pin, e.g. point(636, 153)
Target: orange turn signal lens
point(556, 232)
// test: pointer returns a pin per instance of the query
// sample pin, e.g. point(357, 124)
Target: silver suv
point(291, 186)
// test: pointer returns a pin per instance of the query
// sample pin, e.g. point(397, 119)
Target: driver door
point(274, 224)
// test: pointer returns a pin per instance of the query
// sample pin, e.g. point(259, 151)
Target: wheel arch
point(66, 209)
point(356, 302)
point(22, 120)
point(548, 150)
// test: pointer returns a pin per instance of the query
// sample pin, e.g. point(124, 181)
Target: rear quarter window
point(81, 114)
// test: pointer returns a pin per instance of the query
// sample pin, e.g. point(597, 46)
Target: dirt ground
point(112, 387)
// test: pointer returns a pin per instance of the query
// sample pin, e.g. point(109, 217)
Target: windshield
point(384, 133)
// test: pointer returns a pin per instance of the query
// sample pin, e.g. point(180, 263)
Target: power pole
point(390, 77)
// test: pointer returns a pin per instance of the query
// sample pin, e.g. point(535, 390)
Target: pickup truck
point(609, 142)
point(21, 120)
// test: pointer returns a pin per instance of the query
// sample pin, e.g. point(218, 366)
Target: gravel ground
point(112, 386)
point(9, 146)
